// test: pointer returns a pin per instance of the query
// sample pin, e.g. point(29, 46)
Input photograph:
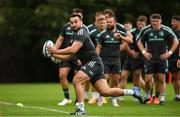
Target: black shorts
point(155, 66)
point(127, 63)
point(133, 64)
point(71, 64)
point(94, 69)
point(112, 65)
point(172, 65)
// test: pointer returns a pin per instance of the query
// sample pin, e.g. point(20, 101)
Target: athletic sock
point(162, 97)
point(66, 93)
point(147, 94)
point(94, 95)
point(86, 95)
point(97, 95)
point(128, 92)
point(178, 96)
point(80, 105)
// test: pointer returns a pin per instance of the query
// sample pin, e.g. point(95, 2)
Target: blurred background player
point(155, 36)
point(174, 60)
point(134, 61)
point(110, 13)
point(94, 30)
point(108, 47)
point(65, 66)
point(128, 25)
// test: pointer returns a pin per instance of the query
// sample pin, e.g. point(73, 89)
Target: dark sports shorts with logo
point(155, 66)
point(112, 65)
point(94, 69)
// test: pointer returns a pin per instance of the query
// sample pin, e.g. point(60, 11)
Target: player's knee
point(104, 93)
point(63, 75)
point(76, 81)
point(161, 81)
point(148, 80)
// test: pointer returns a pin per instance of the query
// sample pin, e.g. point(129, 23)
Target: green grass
point(47, 96)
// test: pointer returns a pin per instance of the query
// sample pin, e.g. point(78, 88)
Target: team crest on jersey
point(68, 28)
point(107, 36)
point(151, 34)
point(83, 67)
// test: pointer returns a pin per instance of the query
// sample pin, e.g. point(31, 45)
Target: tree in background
point(26, 24)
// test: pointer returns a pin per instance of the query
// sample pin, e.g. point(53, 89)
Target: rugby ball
point(45, 50)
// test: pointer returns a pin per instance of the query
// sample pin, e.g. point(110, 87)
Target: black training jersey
point(175, 55)
point(67, 33)
point(93, 31)
point(110, 45)
point(120, 27)
point(91, 27)
point(133, 45)
point(156, 41)
point(87, 51)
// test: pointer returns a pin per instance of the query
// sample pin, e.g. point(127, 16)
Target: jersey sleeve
point(170, 34)
point(63, 31)
point(121, 29)
point(141, 36)
point(99, 38)
point(80, 36)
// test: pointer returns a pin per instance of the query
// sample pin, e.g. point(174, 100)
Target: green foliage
point(26, 24)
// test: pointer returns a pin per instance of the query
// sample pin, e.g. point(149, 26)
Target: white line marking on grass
point(38, 107)
point(64, 112)
point(34, 107)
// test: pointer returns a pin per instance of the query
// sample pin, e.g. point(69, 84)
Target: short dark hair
point(176, 17)
point(142, 18)
point(77, 10)
point(155, 16)
point(110, 12)
point(98, 13)
point(75, 15)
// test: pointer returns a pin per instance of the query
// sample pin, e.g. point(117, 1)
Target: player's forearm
point(65, 51)
point(141, 46)
point(174, 45)
point(98, 49)
point(128, 49)
point(59, 42)
point(62, 57)
point(128, 38)
point(179, 51)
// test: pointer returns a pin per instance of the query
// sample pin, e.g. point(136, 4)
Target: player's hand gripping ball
point(48, 54)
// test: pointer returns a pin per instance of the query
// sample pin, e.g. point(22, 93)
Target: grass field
point(41, 100)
